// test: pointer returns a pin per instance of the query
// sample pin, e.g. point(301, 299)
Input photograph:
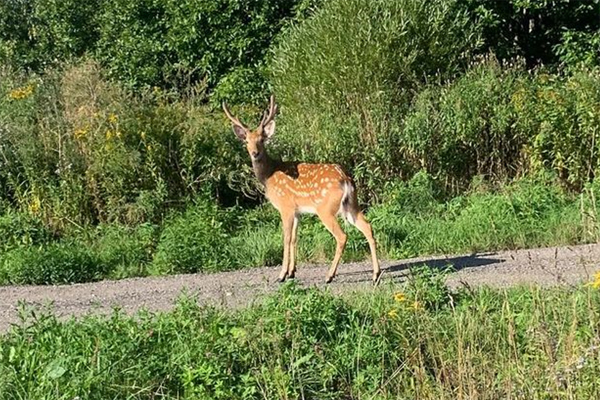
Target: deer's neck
point(264, 167)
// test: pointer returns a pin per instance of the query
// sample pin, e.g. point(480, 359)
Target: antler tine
point(232, 118)
point(263, 120)
point(268, 116)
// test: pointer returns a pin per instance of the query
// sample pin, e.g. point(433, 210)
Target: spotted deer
point(295, 188)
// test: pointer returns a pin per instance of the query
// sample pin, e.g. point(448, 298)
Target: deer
point(296, 188)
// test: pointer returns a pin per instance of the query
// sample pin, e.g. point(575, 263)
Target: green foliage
point(121, 158)
point(426, 286)
point(309, 343)
point(18, 229)
point(579, 48)
point(211, 44)
point(541, 32)
point(125, 251)
point(504, 123)
point(39, 33)
point(52, 264)
point(525, 214)
point(344, 76)
point(195, 241)
point(207, 44)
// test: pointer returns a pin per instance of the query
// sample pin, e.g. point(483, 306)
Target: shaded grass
point(423, 342)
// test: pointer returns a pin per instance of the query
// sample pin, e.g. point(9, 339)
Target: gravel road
point(547, 266)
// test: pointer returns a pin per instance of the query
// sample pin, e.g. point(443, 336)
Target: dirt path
point(549, 266)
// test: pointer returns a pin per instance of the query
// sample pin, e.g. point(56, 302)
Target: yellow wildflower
point(393, 313)
point(143, 135)
point(416, 305)
point(35, 205)
point(112, 118)
point(399, 297)
point(596, 282)
point(21, 93)
point(109, 134)
point(80, 133)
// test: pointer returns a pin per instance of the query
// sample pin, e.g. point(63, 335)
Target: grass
point(417, 340)
point(410, 220)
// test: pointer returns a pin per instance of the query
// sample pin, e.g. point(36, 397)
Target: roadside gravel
point(547, 266)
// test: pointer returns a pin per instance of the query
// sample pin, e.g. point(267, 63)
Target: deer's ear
point(239, 132)
point(269, 130)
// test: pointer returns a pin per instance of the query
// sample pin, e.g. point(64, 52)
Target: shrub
point(20, 229)
point(181, 43)
point(526, 213)
point(56, 263)
point(195, 241)
point(537, 31)
point(40, 33)
point(123, 158)
point(125, 251)
point(503, 123)
point(344, 77)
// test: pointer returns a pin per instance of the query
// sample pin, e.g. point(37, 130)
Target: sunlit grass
point(520, 343)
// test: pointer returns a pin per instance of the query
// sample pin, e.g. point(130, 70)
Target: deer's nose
point(255, 154)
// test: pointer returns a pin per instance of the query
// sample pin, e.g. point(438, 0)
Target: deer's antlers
point(267, 116)
point(232, 118)
point(270, 113)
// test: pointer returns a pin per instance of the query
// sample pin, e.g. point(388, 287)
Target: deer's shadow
point(398, 271)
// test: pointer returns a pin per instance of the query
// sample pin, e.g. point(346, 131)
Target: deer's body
point(298, 188)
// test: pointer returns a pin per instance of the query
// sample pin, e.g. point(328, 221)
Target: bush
point(195, 241)
point(40, 33)
point(19, 229)
point(181, 43)
point(176, 44)
point(537, 31)
point(503, 123)
point(56, 263)
point(344, 77)
point(125, 251)
point(123, 158)
point(527, 213)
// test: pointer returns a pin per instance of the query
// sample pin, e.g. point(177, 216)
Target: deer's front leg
point(291, 271)
point(287, 225)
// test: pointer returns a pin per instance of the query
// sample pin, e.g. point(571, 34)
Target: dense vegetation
point(421, 342)
point(468, 125)
point(478, 116)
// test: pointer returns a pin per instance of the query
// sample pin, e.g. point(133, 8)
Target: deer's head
point(255, 139)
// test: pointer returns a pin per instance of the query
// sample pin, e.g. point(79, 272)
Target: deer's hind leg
point(331, 223)
point(362, 225)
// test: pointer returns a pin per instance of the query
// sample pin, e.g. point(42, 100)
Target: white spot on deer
point(323, 192)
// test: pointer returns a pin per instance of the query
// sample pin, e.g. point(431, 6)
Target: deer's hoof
point(329, 279)
point(376, 279)
point(292, 275)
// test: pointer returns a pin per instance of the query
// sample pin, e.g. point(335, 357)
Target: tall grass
point(421, 342)
point(346, 75)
